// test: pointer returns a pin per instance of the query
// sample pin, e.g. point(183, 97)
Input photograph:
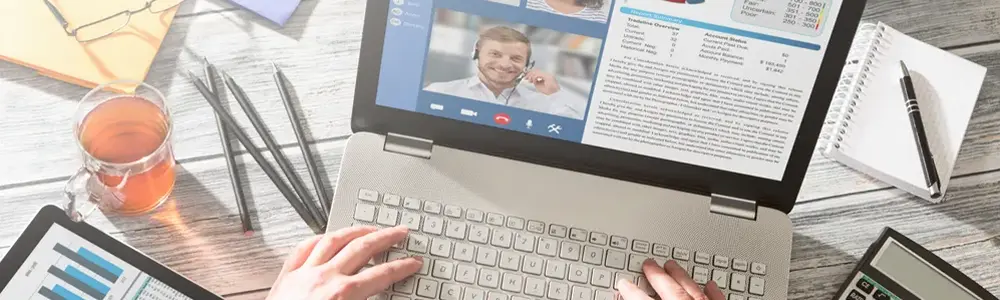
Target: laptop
point(542, 149)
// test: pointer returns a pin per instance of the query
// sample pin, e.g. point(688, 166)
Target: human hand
point(671, 282)
point(544, 82)
point(326, 267)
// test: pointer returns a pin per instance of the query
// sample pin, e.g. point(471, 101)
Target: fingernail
point(649, 261)
point(418, 258)
point(620, 283)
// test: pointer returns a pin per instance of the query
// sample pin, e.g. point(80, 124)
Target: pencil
point(240, 135)
point(300, 137)
point(227, 150)
point(283, 163)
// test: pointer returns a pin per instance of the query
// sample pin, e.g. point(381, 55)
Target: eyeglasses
point(110, 24)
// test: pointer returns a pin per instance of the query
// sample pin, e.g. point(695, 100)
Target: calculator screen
point(916, 275)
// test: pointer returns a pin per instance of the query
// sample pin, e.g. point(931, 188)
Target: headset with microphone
point(528, 65)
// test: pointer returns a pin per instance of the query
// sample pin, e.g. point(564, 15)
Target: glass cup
point(128, 163)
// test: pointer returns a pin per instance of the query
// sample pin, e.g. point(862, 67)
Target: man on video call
point(503, 61)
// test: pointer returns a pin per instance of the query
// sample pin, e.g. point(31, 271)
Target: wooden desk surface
point(839, 213)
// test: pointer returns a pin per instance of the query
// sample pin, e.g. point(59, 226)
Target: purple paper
point(278, 11)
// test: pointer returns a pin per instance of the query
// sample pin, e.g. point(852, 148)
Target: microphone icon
point(528, 124)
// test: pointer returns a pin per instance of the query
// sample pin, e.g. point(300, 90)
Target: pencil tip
point(274, 66)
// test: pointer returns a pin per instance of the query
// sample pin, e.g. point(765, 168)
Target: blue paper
point(278, 11)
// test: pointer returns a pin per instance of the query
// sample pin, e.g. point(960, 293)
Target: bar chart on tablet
point(64, 266)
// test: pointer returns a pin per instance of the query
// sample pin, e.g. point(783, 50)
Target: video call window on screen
point(590, 10)
point(511, 64)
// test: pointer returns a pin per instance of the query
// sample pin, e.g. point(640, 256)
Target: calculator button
point(865, 286)
point(758, 268)
point(880, 295)
point(854, 295)
point(368, 195)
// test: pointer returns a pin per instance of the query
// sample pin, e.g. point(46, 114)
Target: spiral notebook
point(867, 128)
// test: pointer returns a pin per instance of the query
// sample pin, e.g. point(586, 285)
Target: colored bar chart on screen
point(80, 281)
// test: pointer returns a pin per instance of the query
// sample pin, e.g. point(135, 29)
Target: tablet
point(58, 259)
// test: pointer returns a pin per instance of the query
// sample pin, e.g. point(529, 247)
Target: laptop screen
point(722, 84)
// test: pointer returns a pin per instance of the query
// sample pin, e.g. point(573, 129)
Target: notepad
point(868, 128)
point(278, 11)
point(31, 36)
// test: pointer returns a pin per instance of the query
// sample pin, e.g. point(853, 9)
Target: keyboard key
point(624, 276)
point(547, 246)
point(380, 296)
point(474, 215)
point(427, 288)
point(510, 260)
point(721, 261)
point(700, 275)
point(502, 238)
point(753, 298)
point(368, 195)
point(411, 203)
point(593, 255)
point(558, 291)
point(479, 234)
point(738, 282)
point(519, 298)
point(433, 225)
point(489, 278)
point(578, 234)
point(581, 293)
point(758, 268)
point(387, 216)
point(865, 286)
point(396, 255)
point(619, 242)
point(721, 278)
point(598, 238)
point(432, 207)
point(425, 268)
point(615, 260)
point(601, 278)
point(496, 296)
point(494, 219)
point(681, 254)
point(532, 265)
point(417, 243)
point(443, 269)
point(392, 200)
point(406, 286)
point(441, 248)
point(736, 297)
point(702, 258)
point(536, 227)
point(451, 291)
point(486, 257)
point(473, 294)
point(635, 262)
point(880, 295)
point(364, 212)
point(512, 283)
point(524, 243)
point(456, 230)
point(604, 295)
point(661, 250)
point(644, 285)
point(453, 211)
point(515, 223)
point(534, 287)
point(756, 286)
point(464, 252)
point(557, 230)
point(740, 265)
point(579, 273)
point(411, 220)
point(570, 251)
point(555, 269)
point(640, 246)
point(398, 297)
point(465, 274)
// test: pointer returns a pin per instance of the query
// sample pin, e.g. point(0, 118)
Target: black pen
point(919, 135)
point(227, 150)
point(283, 163)
point(244, 139)
point(300, 137)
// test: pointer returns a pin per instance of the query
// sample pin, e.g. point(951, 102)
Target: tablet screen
point(64, 266)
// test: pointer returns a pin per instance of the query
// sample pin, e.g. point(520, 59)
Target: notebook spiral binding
point(861, 62)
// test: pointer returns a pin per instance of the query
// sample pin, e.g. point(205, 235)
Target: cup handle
point(85, 192)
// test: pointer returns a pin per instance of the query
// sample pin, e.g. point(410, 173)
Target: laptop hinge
point(408, 145)
point(733, 207)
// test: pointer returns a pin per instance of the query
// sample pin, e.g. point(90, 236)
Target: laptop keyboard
point(471, 254)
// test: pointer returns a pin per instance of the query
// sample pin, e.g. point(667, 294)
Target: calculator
point(896, 268)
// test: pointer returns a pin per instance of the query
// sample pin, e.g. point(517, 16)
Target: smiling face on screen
point(501, 62)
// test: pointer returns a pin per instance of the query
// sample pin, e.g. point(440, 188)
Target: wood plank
point(318, 53)
point(976, 260)
point(940, 23)
point(827, 178)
